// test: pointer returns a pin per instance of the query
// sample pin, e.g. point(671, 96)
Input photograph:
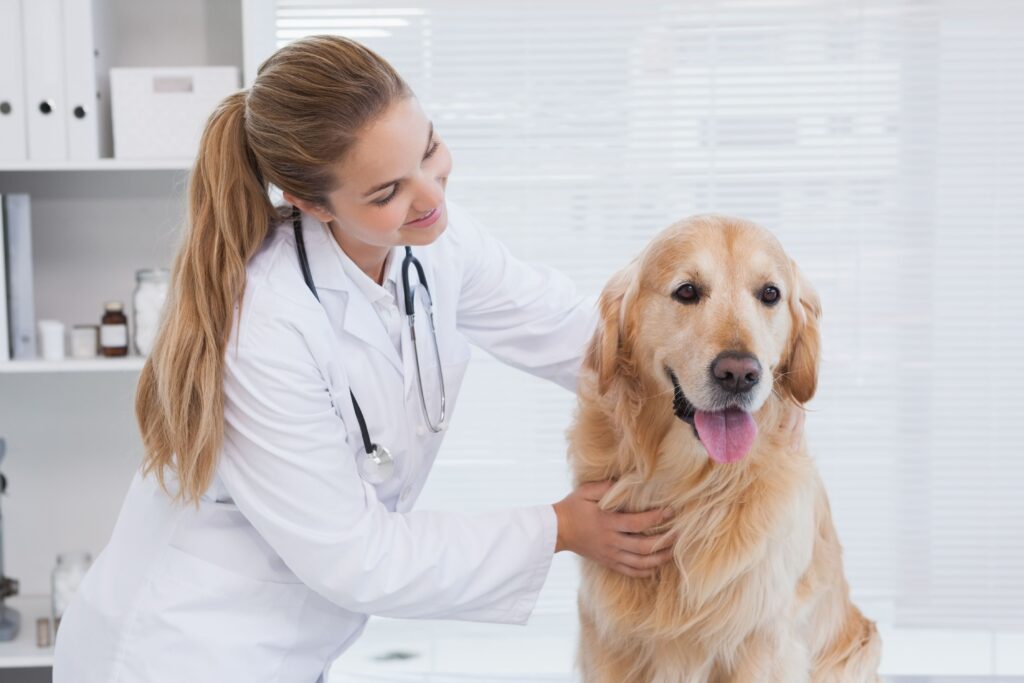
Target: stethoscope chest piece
point(376, 466)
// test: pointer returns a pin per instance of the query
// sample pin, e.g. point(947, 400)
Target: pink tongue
point(726, 434)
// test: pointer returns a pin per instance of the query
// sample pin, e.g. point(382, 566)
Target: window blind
point(881, 140)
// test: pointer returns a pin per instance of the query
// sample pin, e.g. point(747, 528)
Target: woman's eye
point(770, 295)
point(433, 148)
point(687, 294)
point(382, 202)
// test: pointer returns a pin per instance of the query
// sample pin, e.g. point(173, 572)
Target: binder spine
point(43, 44)
point(20, 296)
point(82, 106)
point(12, 84)
point(5, 344)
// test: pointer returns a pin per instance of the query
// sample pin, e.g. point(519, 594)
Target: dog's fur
point(756, 591)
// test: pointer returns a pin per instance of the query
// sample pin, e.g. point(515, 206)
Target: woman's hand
point(613, 539)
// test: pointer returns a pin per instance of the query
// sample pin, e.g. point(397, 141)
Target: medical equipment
point(376, 465)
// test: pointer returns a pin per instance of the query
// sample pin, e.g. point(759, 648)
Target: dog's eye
point(770, 295)
point(687, 294)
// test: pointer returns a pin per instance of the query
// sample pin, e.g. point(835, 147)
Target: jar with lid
point(148, 300)
point(64, 582)
point(114, 330)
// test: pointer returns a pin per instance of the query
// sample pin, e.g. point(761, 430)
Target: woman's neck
point(368, 257)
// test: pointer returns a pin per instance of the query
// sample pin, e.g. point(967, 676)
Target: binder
point(5, 346)
point(21, 315)
point(43, 49)
point(87, 86)
point(12, 84)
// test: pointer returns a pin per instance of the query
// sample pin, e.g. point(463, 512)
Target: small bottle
point(114, 330)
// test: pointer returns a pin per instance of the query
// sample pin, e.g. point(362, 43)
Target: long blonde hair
point(303, 112)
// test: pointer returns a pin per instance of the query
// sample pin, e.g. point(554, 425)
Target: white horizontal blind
point(881, 140)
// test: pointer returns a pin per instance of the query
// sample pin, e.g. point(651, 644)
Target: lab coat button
point(421, 429)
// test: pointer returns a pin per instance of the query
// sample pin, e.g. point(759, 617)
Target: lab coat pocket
point(455, 360)
point(219, 616)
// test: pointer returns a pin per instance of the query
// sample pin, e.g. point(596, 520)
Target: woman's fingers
point(644, 545)
point(638, 522)
point(641, 562)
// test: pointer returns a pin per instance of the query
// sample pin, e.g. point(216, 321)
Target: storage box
point(159, 113)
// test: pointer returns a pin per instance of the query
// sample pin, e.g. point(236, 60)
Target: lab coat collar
point(356, 314)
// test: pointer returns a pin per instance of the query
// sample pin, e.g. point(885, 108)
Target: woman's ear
point(603, 354)
point(315, 210)
point(798, 372)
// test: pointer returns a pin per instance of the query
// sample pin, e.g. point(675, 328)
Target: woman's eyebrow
point(378, 188)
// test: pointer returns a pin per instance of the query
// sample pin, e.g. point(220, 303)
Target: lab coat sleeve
point(527, 315)
point(290, 470)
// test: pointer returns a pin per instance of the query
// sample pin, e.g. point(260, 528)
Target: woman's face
point(392, 184)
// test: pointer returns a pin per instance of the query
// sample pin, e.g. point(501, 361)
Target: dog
point(704, 341)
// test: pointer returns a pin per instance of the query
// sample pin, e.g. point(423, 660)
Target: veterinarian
point(289, 418)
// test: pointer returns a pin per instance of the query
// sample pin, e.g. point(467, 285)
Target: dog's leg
point(773, 654)
point(600, 661)
point(854, 653)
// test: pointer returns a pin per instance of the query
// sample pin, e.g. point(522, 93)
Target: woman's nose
point(430, 195)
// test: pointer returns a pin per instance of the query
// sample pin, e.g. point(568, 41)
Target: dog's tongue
point(726, 434)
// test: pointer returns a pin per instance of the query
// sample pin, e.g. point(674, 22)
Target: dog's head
point(714, 315)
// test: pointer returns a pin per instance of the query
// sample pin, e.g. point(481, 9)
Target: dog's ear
point(603, 354)
point(799, 369)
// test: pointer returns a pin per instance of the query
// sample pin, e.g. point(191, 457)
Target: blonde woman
point(289, 417)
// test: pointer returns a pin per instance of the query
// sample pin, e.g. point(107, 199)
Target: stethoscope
point(377, 464)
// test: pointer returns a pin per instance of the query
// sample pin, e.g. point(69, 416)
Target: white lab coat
point(289, 551)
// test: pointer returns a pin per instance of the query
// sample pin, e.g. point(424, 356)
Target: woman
point(265, 525)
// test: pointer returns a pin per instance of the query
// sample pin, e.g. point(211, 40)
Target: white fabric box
point(159, 113)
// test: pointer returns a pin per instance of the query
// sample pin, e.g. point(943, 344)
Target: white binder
point(21, 312)
point(5, 346)
point(44, 80)
point(12, 86)
point(87, 86)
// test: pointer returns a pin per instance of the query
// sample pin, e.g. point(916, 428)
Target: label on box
point(113, 336)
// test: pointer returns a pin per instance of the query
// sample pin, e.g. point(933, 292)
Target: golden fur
point(756, 591)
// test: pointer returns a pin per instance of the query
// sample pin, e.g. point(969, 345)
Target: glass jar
point(114, 330)
point(67, 575)
point(148, 300)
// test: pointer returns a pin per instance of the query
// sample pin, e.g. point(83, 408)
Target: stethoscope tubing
point(373, 450)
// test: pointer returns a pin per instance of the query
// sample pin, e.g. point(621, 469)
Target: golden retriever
point(703, 339)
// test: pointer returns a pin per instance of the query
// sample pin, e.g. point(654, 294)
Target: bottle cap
point(114, 306)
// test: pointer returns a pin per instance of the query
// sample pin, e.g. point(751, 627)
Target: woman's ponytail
point(179, 399)
point(303, 112)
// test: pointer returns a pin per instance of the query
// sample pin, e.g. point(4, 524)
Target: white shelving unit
point(22, 652)
point(125, 364)
point(97, 165)
point(72, 439)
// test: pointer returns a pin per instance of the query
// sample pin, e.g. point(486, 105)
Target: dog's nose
point(736, 372)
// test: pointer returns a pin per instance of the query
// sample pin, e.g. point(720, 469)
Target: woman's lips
point(427, 220)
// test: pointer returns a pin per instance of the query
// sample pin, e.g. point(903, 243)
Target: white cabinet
point(70, 427)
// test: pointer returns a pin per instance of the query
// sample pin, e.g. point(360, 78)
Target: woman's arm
point(528, 316)
point(291, 472)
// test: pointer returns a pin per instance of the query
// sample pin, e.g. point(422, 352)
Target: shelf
point(98, 165)
point(125, 364)
point(22, 653)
